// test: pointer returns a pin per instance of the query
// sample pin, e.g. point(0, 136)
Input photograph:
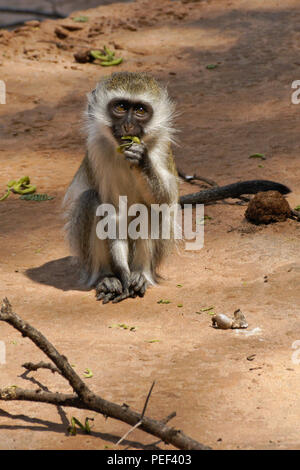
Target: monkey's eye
point(120, 108)
point(140, 110)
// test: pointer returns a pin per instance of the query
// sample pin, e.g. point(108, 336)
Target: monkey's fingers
point(143, 289)
point(132, 157)
point(101, 291)
point(134, 279)
point(121, 297)
point(100, 296)
point(113, 285)
point(108, 297)
point(108, 285)
point(138, 284)
point(132, 293)
point(141, 284)
point(135, 153)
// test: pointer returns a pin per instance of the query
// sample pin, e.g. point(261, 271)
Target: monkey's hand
point(136, 154)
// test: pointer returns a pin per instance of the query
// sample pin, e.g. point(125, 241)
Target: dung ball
point(267, 207)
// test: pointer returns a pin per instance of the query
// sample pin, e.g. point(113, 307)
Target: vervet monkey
point(126, 104)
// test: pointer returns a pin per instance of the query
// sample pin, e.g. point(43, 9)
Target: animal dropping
point(268, 207)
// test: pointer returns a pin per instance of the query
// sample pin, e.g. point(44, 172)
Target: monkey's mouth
point(122, 140)
point(120, 135)
point(119, 139)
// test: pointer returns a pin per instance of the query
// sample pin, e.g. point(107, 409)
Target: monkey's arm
point(233, 190)
point(158, 170)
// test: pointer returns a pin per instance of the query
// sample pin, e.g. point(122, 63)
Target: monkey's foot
point(138, 284)
point(108, 289)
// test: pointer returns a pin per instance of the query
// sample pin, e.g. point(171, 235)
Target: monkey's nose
point(128, 128)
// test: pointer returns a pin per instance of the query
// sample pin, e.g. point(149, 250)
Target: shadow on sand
point(63, 273)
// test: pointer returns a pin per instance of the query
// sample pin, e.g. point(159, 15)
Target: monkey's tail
point(233, 190)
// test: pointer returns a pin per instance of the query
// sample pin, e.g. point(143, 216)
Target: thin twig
point(142, 415)
point(30, 366)
point(147, 399)
point(169, 417)
point(129, 432)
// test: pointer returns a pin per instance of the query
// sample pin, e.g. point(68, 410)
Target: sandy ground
point(227, 113)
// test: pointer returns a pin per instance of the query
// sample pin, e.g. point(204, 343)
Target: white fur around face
point(163, 109)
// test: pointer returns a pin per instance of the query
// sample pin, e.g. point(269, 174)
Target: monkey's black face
point(129, 118)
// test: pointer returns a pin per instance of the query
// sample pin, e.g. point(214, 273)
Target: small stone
point(117, 46)
point(83, 56)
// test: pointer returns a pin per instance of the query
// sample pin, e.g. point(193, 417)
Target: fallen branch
point(83, 397)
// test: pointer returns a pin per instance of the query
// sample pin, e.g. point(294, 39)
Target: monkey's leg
point(92, 252)
point(115, 287)
point(141, 276)
point(133, 281)
point(79, 229)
